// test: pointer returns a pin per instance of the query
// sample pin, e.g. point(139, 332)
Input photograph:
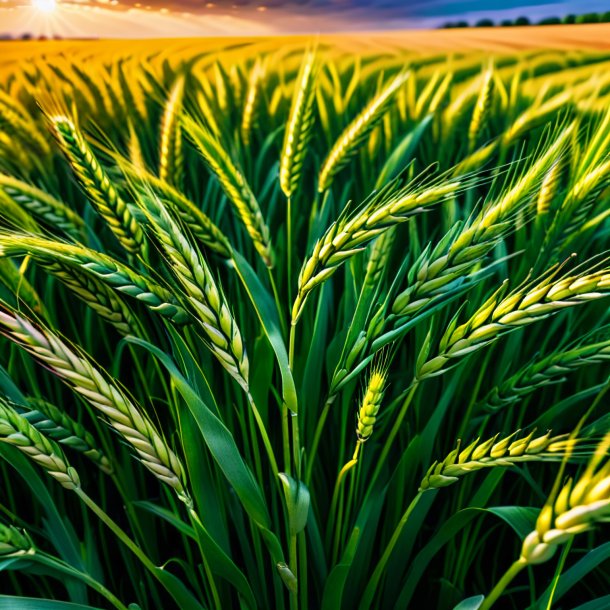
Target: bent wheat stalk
point(351, 233)
point(548, 370)
point(355, 134)
point(234, 185)
point(443, 272)
point(97, 295)
point(500, 452)
point(110, 272)
point(18, 431)
point(500, 315)
point(41, 205)
point(96, 184)
point(299, 127)
point(203, 294)
point(61, 428)
point(197, 222)
point(100, 392)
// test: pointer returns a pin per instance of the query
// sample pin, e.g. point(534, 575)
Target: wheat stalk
point(102, 393)
point(18, 431)
point(61, 428)
point(371, 403)
point(500, 315)
point(299, 127)
point(96, 294)
point(498, 452)
point(112, 273)
point(480, 114)
point(96, 184)
point(250, 112)
point(572, 509)
point(551, 369)
point(14, 543)
point(351, 233)
point(577, 508)
point(197, 222)
point(171, 158)
point(43, 206)
point(447, 269)
point(202, 292)
point(236, 188)
point(357, 131)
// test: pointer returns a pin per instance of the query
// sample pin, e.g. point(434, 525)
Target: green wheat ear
point(16, 430)
point(502, 452)
point(96, 184)
point(14, 543)
point(299, 128)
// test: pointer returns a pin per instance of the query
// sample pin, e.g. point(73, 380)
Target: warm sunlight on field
point(306, 322)
point(499, 40)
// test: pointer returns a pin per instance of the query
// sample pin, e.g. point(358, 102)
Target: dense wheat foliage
point(288, 327)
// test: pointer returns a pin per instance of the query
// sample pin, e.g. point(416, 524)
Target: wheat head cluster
point(291, 327)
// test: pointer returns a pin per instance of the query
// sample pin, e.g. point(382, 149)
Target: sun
point(45, 6)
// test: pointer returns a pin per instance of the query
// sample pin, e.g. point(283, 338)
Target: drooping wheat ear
point(351, 233)
point(26, 131)
point(96, 294)
point(576, 509)
point(110, 272)
point(551, 369)
point(535, 115)
point(249, 117)
point(18, 431)
point(443, 272)
point(507, 451)
point(171, 156)
point(500, 315)
point(299, 128)
point(202, 292)
point(61, 428)
point(198, 223)
point(19, 286)
point(482, 107)
point(102, 393)
point(14, 543)
point(357, 131)
point(96, 184)
point(43, 206)
point(371, 403)
point(234, 185)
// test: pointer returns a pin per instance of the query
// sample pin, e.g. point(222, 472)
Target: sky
point(178, 18)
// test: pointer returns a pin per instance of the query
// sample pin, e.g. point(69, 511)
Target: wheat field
point(294, 323)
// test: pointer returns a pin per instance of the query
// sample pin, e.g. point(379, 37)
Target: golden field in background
point(498, 40)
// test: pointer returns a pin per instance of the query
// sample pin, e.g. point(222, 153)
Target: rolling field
point(291, 323)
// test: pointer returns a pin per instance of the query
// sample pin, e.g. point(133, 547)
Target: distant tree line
point(489, 23)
